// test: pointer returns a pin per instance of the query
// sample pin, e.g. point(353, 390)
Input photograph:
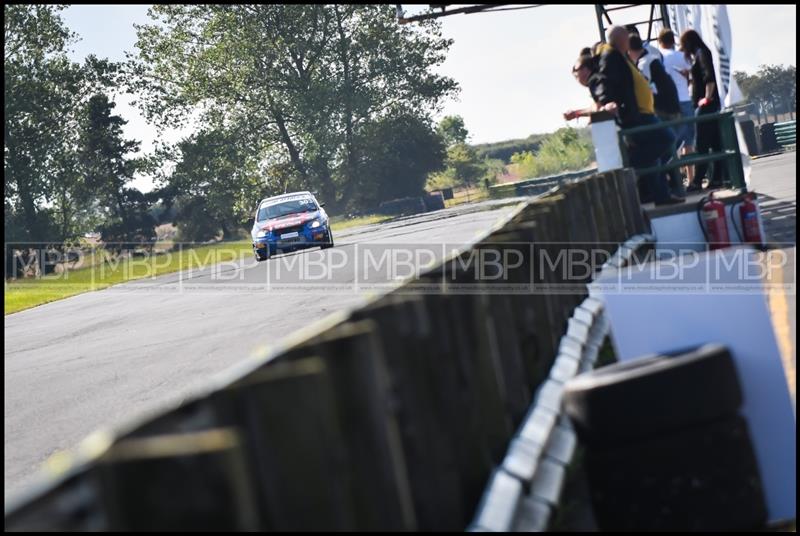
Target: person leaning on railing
point(705, 98)
point(665, 95)
point(611, 79)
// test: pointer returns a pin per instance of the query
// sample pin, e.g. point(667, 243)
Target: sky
point(513, 67)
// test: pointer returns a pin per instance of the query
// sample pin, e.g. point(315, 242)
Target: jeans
point(675, 177)
point(649, 149)
point(708, 140)
point(686, 133)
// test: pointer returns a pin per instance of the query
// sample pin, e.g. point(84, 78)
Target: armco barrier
point(536, 186)
point(786, 134)
point(391, 416)
point(524, 492)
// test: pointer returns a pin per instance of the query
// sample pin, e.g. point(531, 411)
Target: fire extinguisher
point(713, 223)
point(748, 216)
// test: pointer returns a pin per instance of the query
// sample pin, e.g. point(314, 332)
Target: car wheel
point(260, 254)
point(329, 242)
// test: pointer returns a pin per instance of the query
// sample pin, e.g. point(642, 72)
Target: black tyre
point(701, 478)
point(261, 254)
point(329, 241)
point(649, 396)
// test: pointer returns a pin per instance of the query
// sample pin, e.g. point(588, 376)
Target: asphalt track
point(102, 358)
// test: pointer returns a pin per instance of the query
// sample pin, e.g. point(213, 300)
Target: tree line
point(772, 89)
point(336, 99)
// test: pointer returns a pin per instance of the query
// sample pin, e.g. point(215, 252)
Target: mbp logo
point(392, 262)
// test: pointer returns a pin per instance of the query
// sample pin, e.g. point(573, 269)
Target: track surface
point(101, 358)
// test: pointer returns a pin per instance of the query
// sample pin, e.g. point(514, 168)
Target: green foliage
point(504, 150)
point(129, 223)
point(39, 86)
point(564, 150)
point(451, 129)
point(462, 168)
point(106, 167)
point(48, 196)
point(464, 163)
point(773, 89)
point(215, 185)
point(303, 82)
point(194, 221)
point(492, 167)
point(400, 151)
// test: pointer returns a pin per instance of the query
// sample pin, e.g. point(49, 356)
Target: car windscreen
point(283, 208)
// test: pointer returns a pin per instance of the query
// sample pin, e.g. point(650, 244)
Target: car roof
point(290, 194)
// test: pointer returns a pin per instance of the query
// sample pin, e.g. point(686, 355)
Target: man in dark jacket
point(665, 95)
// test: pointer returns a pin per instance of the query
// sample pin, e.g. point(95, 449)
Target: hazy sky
point(513, 67)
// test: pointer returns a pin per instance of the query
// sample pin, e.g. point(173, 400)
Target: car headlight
point(262, 234)
point(316, 224)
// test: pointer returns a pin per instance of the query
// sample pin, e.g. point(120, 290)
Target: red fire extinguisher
point(748, 215)
point(714, 224)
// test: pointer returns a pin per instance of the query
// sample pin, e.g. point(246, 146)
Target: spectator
point(678, 68)
point(610, 83)
point(664, 93)
point(705, 98)
point(633, 30)
point(655, 147)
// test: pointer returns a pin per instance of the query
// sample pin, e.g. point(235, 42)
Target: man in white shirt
point(678, 67)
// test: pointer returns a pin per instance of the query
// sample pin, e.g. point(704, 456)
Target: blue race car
point(288, 222)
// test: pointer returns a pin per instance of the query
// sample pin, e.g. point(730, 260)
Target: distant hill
point(503, 150)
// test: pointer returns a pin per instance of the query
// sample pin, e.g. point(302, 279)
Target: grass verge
point(338, 223)
point(23, 294)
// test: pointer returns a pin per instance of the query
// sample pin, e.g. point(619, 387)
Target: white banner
point(711, 22)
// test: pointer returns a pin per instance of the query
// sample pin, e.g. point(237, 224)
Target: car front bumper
point(307, 238)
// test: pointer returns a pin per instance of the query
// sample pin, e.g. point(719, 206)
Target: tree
point(215, 185)
point(451, 129)
point(565, 149)
point(38, 80)
point(108, 167)
point(464, 163)
point(464, 167)
point(300, 80)
point(772, 88)
point(492, 168)
point(399, 151)
point(44, 93)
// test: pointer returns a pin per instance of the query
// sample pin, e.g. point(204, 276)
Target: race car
point(289, 222)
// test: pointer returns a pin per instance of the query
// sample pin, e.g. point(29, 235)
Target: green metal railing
point(729, 155)
point(786, 133)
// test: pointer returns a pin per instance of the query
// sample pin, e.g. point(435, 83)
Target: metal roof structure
point(658, 15)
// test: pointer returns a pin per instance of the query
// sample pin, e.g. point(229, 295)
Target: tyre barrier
point(769, 141)
point(403, 207)
point(433, 201)
point(678, 459)
point(390, 416)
